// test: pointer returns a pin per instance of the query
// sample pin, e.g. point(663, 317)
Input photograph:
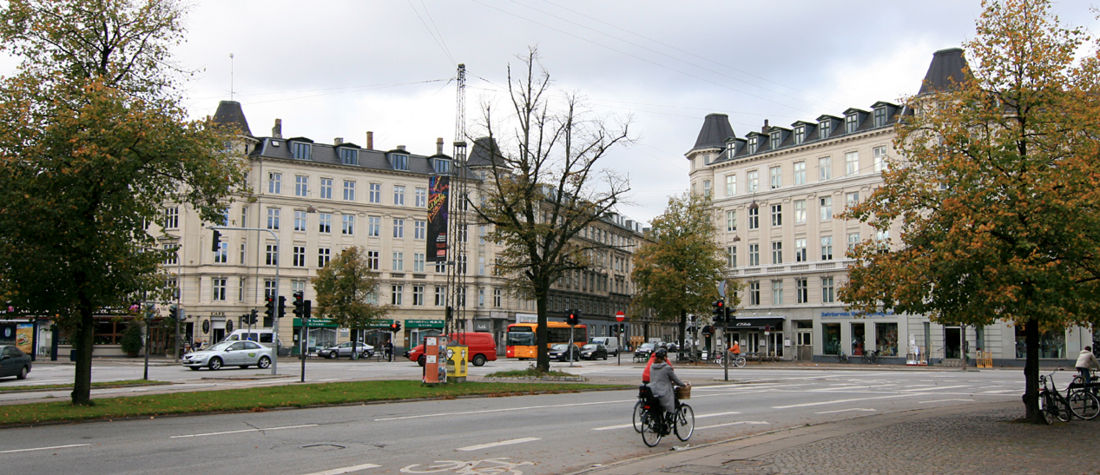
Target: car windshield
point(646, 347)
point(589, 346)
point(558, 347)
point(221, 346)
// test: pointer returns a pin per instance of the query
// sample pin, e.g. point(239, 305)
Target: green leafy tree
point(678, 266)
point(92, 143)
point(996, 190)
point(346, 287)
point(540, 197)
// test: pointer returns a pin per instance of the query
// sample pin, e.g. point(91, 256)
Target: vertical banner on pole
point(439, 190)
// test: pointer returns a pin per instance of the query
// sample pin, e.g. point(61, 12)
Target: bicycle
point(1082, 398)
point(736, 361)
point(1052, 404)
point(656, 424)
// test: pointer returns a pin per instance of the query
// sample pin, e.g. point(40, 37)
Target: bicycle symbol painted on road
point(499, 465)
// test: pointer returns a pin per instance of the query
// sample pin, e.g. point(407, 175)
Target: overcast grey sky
point(340, 68)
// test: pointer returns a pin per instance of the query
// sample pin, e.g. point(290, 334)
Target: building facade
point(778, 193)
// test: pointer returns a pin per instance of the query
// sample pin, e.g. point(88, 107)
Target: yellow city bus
point(520, 341)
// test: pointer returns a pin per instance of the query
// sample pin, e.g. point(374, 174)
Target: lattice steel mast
point(458, 232)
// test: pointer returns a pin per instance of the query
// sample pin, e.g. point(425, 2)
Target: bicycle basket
point(683, 392)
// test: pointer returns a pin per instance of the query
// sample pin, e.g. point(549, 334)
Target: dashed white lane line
point(15, 451)
point(341, 470)
point(697, 416)
point(506, 409)
point(185, 436)
point(840, 401)
point(713, 426)
point(854, 409)
point(1001, 391)
point(935, 388)
point(946, 400)
point(498, 444)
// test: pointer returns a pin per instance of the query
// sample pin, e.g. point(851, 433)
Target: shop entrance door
point(805, 344)
point(951, 344)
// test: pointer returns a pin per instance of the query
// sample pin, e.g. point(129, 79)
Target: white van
point(263, 336)
point(610, 342)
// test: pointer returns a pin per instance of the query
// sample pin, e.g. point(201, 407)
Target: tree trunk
point(682, 325)
point(542, 356)
point(82, 345)
point(1031, 372)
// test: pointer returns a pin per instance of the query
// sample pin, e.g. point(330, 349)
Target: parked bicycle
point(1082, 397)
point(1052, 404)
point(655, 423)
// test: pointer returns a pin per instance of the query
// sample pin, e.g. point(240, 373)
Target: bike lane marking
point(505, 409)
point(185, 436)
point(697, 416)
point(341, 470)
point(490, 445)
point(43, 448)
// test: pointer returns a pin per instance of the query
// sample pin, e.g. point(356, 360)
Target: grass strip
point(262, 398)
point(531, 373)
point(97, 385)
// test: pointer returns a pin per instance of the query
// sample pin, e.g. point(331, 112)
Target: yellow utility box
point(457, 359)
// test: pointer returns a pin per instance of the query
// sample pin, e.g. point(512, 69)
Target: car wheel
point(479, 360)
point(332, 355)
point(264, 363)
point(215, 364)
point(22, 373)
point(421, 361)
point(605, 356)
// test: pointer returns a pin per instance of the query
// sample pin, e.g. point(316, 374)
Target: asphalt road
point(527, 434)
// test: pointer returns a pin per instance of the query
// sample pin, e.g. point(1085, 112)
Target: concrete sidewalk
point(956, 439)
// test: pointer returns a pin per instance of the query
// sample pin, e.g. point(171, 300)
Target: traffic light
point(282, 306)
point(174, 312)
point(299, 304)
point(252, 317)
point(216, 243)
point(270, 308)
point(574, 317)
point(719, 310)
point(395, 327)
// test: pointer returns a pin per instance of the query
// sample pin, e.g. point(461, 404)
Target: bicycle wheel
point(1046, 408)
point(651, 429)
point(739, 362)
point(1084, 404)
point(1062, 410)
point(639, 409)
point(685, 422)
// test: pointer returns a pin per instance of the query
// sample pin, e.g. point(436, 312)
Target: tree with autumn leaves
point(996, 189)
point(93, 143)
point(347, 292)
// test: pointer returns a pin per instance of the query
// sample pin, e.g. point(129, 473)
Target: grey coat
point(661, 377)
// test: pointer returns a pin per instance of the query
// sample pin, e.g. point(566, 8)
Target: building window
point(398, 261)
point(880, 116)
point(800, 250)
point(418, 262)
point(349, 190)
point(851, 123)
point(752, 143)
point(826, 248)
point(326, 188)
point(398, 228)
point(323, 256)
point(754, 217)
point(706, 188)
point(753, 181)
point(418, 295)
point(880, 158)
point(826, 208)
point(273, 218)
point(349, 156)
point(754, 255)
point(299, 256)
point(731, 185)
point(269, 288)
point(420, 229)
point(395, 291)
point(777, 292)
point(171, 253)
point(777, 138)
point(171, 217)
point(301, 185)
point(799, 134)
point(827, 291)
point(347, 227)
point(374, 226)
point(777, 215)
point(300, 150)
point(440, 267)
point(400, 161)
point(851, 163)
point(272, 255)
point(442, 166)
point(824, 168)
point(731, 257)
point(399, 195)
point(799, 173)
point(440, 296)
point(274, 182)
point(221, 256)
point(219, 289)
point(851, 199)
point(731, 220)
point(853, 240)
point(373, 260)
point(375, 193)
point(777, 252)
point(299, 220)
point(421, 197)
point(799, 211)
point(776, 174)
point(754, 292)
point(324, 221)
point(498, 296)
point(242, 285)
point(801, 292)
point(297, 285)
point(823, 129)
point(243, 246)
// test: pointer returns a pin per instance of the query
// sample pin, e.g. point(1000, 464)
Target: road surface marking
point(620, 426)
point(697, 416)
point(353, 468)
point(506, 409)
point(498, 444)
point(861, 409)
point(43, 448)
point(945, 400)
point(838, 401)
point(935, 388)
point(1001, 391)
point(755, 423)
point(242, 431)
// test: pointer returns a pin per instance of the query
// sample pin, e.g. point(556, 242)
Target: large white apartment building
point(777, 194)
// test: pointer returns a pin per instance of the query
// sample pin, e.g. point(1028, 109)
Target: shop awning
point(757, 323)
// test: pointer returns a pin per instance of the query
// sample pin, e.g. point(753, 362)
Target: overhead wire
point(433, 31)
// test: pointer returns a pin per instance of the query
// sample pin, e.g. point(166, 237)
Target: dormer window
point(777, 138)
point(752, 143)
point(442, 166)
point(731, 147)
point(880, 116)
point(349, 156)
point(799, 134)
point(301, 150)
point(400, 161)
point(851, 123)
point(823, 129)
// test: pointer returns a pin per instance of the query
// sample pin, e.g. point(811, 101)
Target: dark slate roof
point(715, 132)
point(948, 67)
point(483, 152)
point(230, 113)
point(325, 153)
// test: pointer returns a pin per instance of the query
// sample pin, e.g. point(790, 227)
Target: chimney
point(439, 146)
point(765, 128)
point(401, 148)
point(370, 140)
point(337, 140)
point(277, 131)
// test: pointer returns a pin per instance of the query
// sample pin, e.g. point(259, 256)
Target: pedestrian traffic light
point(216, 243)
point(719, 310)
point(395, 327)
point(282, 306)
point(573, 318)
point(270, 308)
point(299, 304)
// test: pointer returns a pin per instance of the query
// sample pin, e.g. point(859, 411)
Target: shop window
point(858, 338)
point(1052, 344)
point(830, 338)
point(886, 339)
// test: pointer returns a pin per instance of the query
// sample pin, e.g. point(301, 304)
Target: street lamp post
point(275, 323)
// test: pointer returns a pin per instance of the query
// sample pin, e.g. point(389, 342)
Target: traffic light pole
point(278, 264)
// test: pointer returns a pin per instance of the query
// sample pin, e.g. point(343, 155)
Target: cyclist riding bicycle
point(649, 364)
point(662, 377)
point(735, 349)
point(1086, 361)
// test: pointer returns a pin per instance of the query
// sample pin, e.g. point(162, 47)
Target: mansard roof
point(947, 69)
point(714, 133)
point(230, 113)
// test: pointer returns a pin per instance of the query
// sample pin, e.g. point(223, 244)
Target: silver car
point(343, 350)
point(229, 353)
